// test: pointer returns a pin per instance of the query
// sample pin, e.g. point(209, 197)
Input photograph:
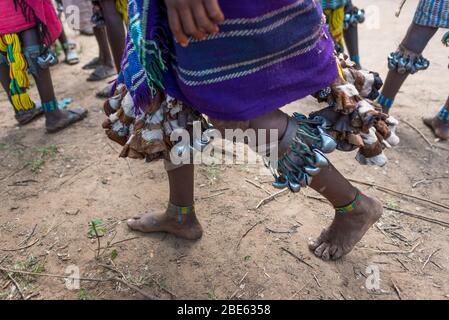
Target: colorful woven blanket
point(266, 55)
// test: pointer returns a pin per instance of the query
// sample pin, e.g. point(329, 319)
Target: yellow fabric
point(335, 19)
point(22, 101)
point(11, 47)
point(340, 70)
point(122, 8)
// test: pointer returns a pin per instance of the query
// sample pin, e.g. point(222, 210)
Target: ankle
point(443, 115)
point(53, 115)
point(385, 102)
point(50, 106)
point(182, 214)
point(351, 206)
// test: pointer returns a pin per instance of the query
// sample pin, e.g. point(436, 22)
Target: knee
point(31, 54)
point(418, 37)
point(37, 59)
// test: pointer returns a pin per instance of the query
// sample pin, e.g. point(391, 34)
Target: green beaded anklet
point(352, 206)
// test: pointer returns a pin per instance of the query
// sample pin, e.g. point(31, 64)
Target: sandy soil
point(51, 186)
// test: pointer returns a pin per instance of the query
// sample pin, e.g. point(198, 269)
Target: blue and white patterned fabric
point(333, 4)
point(432, 13)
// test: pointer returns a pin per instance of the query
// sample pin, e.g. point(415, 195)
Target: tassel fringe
point(20, 81)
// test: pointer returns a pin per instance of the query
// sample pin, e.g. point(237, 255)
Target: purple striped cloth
point(432, 13)
point(266, 55)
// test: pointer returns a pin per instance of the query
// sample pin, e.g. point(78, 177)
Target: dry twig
point(397, 252)
point(296, 257)
point(270, 198)
point(385, 189)
point(421, 217)
point(428, 258)
point(15, 284)
point(248, 231)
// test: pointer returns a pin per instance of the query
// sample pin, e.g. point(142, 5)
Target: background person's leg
point(63, 37)
point(4, 77)
point(44, 83)
point(440, 123)
point(105, 57)
point(69, 48)
point(55, 118)
point(115, 30)
point(415, 40)
point(24, 108)
point(103, 65)
point(351, 35)
point(352, 44)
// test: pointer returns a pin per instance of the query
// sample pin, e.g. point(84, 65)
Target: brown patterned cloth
point(356, 122)
point(147, 136)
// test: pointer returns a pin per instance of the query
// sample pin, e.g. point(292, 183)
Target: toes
point(326, 253)
point(319, 251)
point(314, 244)
point(333, 250)
point(134, 223)
point(338, 253)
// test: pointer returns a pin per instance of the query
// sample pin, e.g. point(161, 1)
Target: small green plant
point(114, 254)
point(48, 151)
point(36, 165)
point(3, 146)
point(30, 264)
point(211, 294)
point(85, 295)
point(43, 153)
point(138, 280)
point(96, 230)
point(391, 204)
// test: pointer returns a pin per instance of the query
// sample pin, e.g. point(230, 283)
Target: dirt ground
point(52, 186)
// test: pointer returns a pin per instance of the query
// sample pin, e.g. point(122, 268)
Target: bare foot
point(439, 127)
point(183, 226)
point(61, 119)
point(346, 230)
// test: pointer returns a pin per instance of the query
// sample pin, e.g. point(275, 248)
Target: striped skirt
point(432, 13)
